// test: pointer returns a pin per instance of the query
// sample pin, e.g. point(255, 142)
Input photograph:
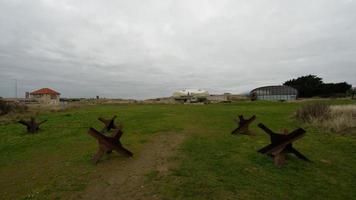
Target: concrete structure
point(191, 95)
point(278, 92)
point(216, 98)
point(45, 96)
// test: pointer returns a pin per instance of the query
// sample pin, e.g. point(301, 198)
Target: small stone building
point(45, 96)
point(276, 92)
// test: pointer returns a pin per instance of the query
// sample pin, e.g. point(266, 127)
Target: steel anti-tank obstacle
point(281, 144)
point(31, 125)
point(243, 125)
point(108, 123)
point(108, 143)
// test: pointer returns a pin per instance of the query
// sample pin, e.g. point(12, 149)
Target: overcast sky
point(143, 49)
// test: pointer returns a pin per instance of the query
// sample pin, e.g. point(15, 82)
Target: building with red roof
point(45, 96)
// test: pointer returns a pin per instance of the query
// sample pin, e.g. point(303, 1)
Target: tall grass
point(336, 118)
point(342, 117)
point(311, 112)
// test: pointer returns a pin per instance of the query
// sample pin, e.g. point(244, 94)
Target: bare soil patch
point(122, 178)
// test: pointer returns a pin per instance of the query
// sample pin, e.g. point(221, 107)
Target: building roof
point(45, 91)
point(276, 90)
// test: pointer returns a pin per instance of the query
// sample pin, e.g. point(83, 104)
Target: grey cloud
point(135, 49)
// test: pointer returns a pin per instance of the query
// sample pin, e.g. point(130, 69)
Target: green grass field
point(211, 163)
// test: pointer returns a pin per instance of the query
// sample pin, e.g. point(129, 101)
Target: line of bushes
point(312, 85)
point(8, 107)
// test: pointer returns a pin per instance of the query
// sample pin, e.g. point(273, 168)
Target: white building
point(191, 95)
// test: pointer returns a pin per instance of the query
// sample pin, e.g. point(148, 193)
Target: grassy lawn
point(213, 164)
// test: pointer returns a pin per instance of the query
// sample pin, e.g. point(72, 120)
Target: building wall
point(46, 98)
point(276, 97)
point(218, 98)
point(277, 92)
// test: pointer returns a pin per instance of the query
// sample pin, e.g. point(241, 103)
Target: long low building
point(216, 98)
point(191, 95)
point(275, 92)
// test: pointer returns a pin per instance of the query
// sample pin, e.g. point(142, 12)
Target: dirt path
point(124, 179)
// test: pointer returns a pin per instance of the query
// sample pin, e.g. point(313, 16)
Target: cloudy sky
point(144, 49)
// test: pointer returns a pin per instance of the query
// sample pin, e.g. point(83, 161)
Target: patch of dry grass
point(315, 111)
point(342, 117)
point(336, 118)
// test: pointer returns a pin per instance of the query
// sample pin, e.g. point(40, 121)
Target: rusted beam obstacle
point(243, 125)
point(281, 144)
point(108, 143)
point(31, 125)
point(108, 123)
